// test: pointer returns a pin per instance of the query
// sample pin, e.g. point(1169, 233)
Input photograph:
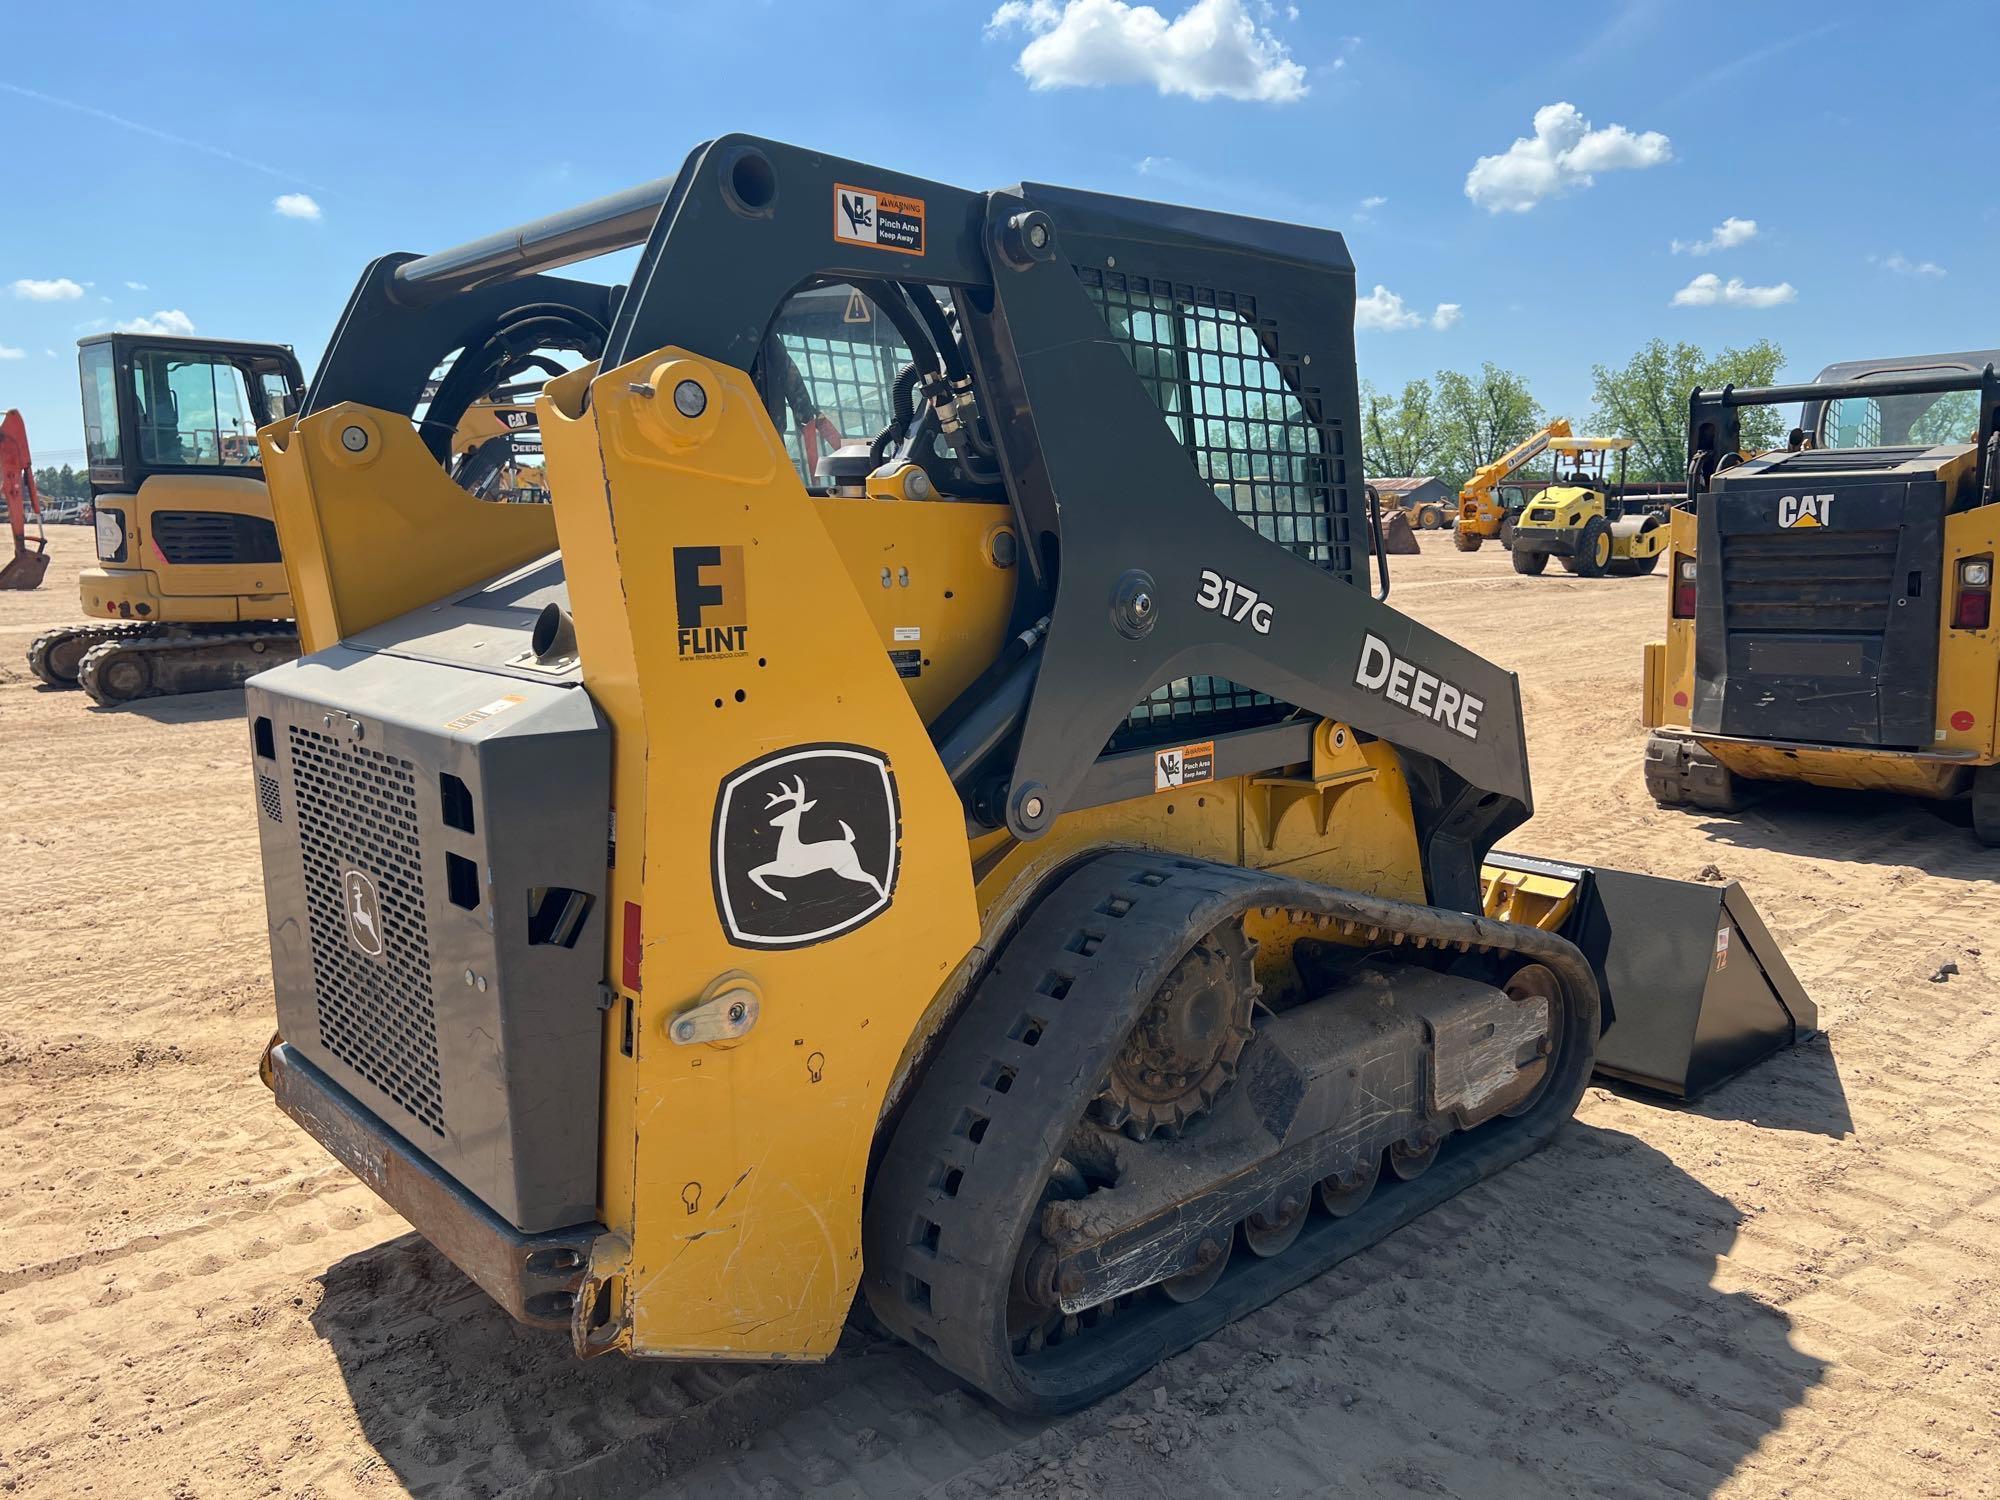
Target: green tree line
point(1453, 423)
point(62, 484)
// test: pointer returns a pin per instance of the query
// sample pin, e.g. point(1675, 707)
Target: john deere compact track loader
point(1831, 619)
point(931, 810)
point(188, 568)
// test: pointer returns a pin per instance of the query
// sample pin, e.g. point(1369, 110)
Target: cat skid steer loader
point(1830, 619)
point(1002, 863)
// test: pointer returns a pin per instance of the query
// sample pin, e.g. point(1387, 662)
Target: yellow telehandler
point(1482, 509)
point(999, 858)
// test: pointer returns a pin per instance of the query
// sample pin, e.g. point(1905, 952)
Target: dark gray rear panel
point(473, 1028)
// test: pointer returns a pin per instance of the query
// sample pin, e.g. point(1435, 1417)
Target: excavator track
point(976, 1227)
point(170, 659)
point(56, 655)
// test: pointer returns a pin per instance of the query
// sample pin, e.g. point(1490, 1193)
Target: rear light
point(1974, 607)
point(110, 534)
point(1684, 576)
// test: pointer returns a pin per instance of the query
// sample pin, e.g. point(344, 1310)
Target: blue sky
point(143, 155)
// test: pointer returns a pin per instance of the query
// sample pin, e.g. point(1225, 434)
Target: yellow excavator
point(188, 570)
point(1002, 859)
point(1481, 512)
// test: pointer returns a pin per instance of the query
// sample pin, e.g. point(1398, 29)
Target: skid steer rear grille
point(356, 810)
point(1809, 581)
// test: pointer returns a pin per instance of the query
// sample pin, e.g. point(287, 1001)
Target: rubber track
point(962, 1180)
point(185, 649)
point(38, 651)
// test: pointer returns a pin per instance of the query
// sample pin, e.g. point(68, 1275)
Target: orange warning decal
point(882, 221)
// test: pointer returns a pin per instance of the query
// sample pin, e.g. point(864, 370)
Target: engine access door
point(1817, 613)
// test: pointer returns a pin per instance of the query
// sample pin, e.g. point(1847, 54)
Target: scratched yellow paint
point(738, 1166)
point(146, 585)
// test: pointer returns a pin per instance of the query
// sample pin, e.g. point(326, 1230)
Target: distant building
point(1427, 501)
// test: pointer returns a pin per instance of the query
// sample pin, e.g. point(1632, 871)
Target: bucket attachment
point(19, 500)
point(1397, 537)
point(26, 569)
point(1695, 988)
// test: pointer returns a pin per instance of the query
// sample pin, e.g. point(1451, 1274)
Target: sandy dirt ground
point(1789, 1289)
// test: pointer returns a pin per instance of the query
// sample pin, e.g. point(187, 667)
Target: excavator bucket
point(1695, 988)
point(25, 569)
point(30, 562)
point(1397, 537)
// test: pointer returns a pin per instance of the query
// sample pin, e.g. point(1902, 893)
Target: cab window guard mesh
point(1207, 361)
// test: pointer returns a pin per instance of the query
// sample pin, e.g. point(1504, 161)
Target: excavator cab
point(932, 811)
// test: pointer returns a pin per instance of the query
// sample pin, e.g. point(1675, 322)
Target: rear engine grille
point(206, 537)
point(357, 810)
point(1809, 580)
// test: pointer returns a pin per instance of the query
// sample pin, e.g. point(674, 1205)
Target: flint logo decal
point(709, 610)
point(1423, 693)
point(807, 845)
point(1184, 765)
point(1804, 510)
point(884, 221)
point(363, 905)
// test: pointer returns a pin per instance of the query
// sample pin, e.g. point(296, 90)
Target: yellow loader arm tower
point(939, 817)
point(1480, 513)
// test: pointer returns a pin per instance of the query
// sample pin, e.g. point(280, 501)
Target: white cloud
point(8, 353)
point(62, 289)
point(135, 286)
point(1902, 265)
point(1213, 47)
point(52, 354)
point(1369, 205)
point(296, 206)
point(1565, 152)
point(170, 322)
point(1386, 312)
point(1727, 235)
point(1148, 164)
point(1710, 290)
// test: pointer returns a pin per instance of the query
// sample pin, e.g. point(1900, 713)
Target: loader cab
point(1921, 419)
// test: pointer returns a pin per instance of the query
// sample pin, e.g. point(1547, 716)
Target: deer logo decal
point(807, 844)
point(796, 857)
point(362, 904)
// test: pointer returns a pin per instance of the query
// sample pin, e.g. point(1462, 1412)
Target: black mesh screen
point(1229, 394)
